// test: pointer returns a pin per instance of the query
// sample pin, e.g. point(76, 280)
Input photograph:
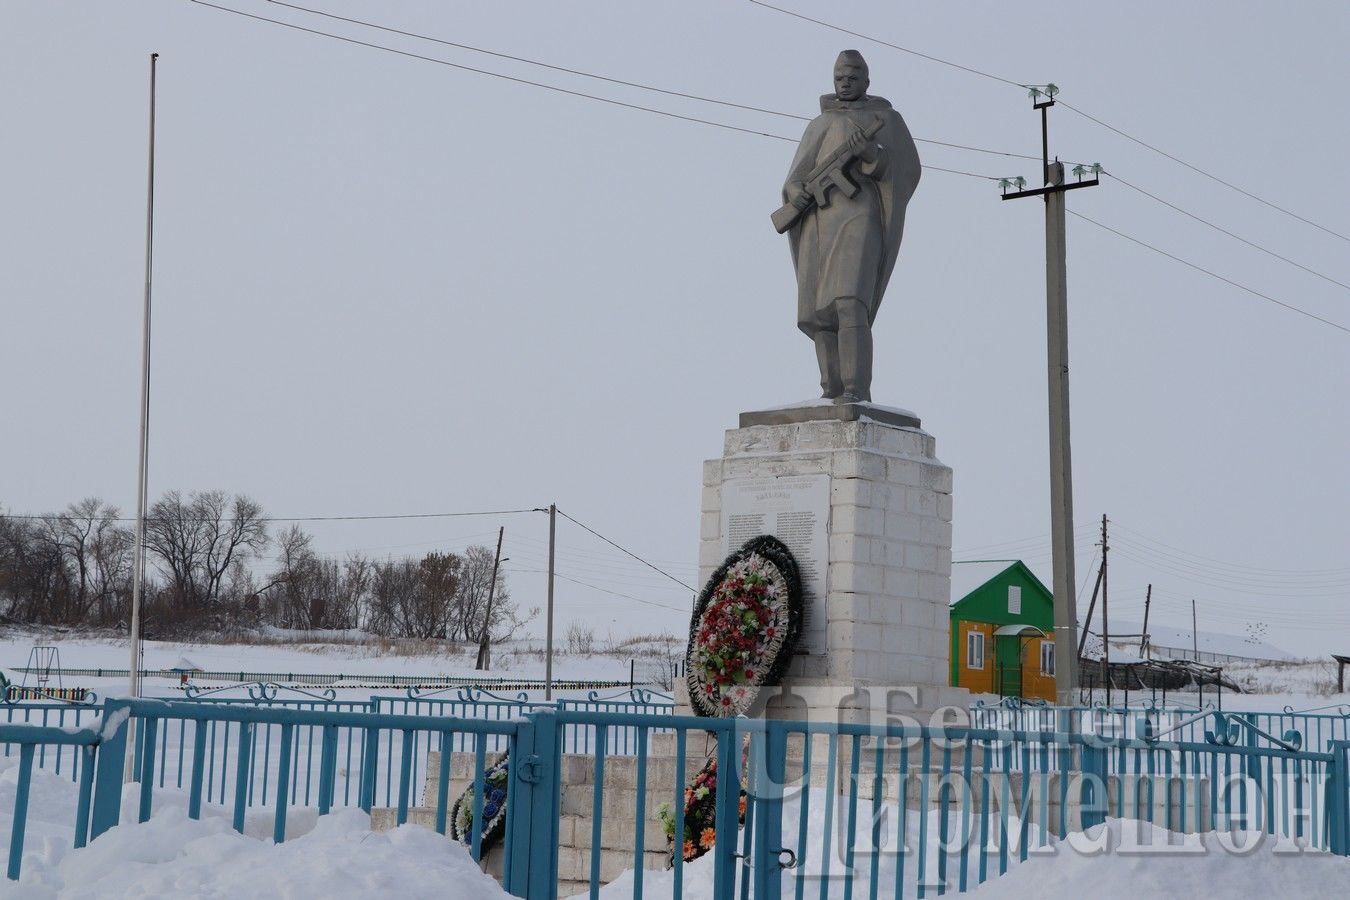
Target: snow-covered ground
point(345, 654)
point(338, 856)
point(174, 856)
point(1122, 859)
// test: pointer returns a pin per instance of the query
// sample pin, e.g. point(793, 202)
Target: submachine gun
point(828, 174)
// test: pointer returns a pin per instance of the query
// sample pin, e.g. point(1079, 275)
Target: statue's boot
point(827, 355)
point(855, 352)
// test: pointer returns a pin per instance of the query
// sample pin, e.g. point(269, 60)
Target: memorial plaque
point(796, 510)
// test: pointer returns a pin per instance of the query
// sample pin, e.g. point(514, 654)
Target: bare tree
point(580, 639)
point(472, 616)
point(95, 559)
point(352, 593)
point(198, 540)
point(468, 617)
point(30, 571)
point(309, 591)
point(296, 586)
point(411, 598)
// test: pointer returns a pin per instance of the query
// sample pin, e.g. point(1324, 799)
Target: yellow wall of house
point(977, 680)
point(1034, 684)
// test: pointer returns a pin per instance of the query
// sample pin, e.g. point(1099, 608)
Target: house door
point(1008, 665)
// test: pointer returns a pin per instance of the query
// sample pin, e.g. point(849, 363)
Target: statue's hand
point(863, 147)
point(798, 195)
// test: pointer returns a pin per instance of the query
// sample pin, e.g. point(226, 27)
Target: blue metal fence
point(1318, 728)
point(30, 740)
point(873, 810)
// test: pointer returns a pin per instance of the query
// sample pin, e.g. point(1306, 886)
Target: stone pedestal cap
point(827, 411)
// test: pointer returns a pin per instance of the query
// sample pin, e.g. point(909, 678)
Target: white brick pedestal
point(887, 586)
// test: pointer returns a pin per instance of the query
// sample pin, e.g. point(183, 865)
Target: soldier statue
point(844, 210)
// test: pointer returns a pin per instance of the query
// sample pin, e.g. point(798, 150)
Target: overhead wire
point(626, 551)
point(909, 50)
point(269, 519)
point(1197, 169)
point(724, 125)
point(1117, 526)
point(1296, 580)
point(1232, 586)
point(1060, 102)
point(575, 93)
point(1035, 541)
point(579, 582)
point(489, 73)
point(1211, 273)
point(1222, 230)
point(619, 81)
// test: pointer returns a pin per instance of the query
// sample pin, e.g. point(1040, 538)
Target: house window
point(974, 650)
point(1048, 658)
point(1014, 600)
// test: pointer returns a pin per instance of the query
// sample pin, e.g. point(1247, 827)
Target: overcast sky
point(387, 286)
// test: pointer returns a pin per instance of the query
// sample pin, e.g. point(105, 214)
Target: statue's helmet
point(851, 58)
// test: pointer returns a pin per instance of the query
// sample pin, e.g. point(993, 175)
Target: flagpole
point(138, 568)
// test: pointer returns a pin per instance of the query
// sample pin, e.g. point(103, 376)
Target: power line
point(1141, 536)
point(1035, 542)
point(543, 65)
point(223, 519)
point(936, 59)
point(491, 74)
point(600, 556)
point(1236, 585)
point(572, 93)
point(1201, 171)
point(1287, 583)
point(593, 587)
point(619, 81)
point(1198, 268)
point(1106, 125)
point(1223, 230)
point(626, 551)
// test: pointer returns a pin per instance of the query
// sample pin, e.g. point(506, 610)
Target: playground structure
point(44, 664)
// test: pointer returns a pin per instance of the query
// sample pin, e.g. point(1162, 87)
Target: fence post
point(1093, 798)
point(1338, 799)
point(112, 760)
point(726, 804)
point(532, 869)
point(767, 781)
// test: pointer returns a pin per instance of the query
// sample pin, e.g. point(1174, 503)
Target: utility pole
point(483, 659)
point(142, 466)
point(1106, 625)
point(1195, 634)
point(548, 634)
point(1057, 347)
point(1143, 638)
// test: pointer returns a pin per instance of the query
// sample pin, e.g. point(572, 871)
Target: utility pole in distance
point(1106, 623)
point(483, 652)
point(1143, 638)
point(1057, 350)
point(548, 633)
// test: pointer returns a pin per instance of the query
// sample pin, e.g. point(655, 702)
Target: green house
point(1002, 630)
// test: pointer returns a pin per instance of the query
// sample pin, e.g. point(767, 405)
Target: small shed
point(185, 669)
point(1002, 630)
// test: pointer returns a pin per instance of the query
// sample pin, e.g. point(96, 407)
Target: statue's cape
point(895, 180)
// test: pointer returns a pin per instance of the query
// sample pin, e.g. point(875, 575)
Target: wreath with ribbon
point(496, 781)
point(745, 627)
